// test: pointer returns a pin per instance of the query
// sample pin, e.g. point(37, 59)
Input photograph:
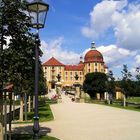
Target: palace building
point(93, 62)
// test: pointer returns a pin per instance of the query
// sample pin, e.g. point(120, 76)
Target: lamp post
point(38, 13)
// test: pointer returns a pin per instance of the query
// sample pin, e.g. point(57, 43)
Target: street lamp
point(38, 12)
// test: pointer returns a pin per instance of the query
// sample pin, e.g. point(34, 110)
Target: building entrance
point(53, 85)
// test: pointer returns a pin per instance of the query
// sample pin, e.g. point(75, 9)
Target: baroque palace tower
point(93, 62)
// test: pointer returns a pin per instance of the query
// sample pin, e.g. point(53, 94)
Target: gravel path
point(80, 121)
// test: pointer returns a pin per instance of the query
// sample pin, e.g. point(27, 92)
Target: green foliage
point(45, 113)
point(117, 104)
point(134, 100)
point(95, 83)
point(111, 83)
point(17, 60)
point(126, 84)
point(137, 82)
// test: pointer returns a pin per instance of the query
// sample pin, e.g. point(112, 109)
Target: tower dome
point(93, 55)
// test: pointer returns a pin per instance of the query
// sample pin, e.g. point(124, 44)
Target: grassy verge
point(133, 108)
point(30, 137)
point(117, 105)
point(134, 99)
point(45, 113)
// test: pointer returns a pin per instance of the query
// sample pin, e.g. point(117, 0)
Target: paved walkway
point(80, 121)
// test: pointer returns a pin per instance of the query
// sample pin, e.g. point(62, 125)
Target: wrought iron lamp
point(38, 13)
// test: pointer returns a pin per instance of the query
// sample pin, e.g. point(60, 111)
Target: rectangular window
point(66, 78)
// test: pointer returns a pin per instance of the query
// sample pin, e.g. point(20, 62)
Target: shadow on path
point(29, 130)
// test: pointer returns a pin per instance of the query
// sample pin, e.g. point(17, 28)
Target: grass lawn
point(30, 137)
point(134, 99)
point(45, 113)
point(127, 107)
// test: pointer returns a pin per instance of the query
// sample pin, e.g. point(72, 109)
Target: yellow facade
point(68, 76)
point(93, 62)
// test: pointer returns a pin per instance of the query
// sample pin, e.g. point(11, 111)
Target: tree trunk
point(5, 116)
point(29, 104)
point(21, 108)
point(108, 98)
point(13, 98)
point(25, 106)
point(1, 118)
point(1, 131)
point(10, 114)
point(124, 100)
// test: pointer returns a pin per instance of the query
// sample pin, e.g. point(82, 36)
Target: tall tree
point(111, 85)
point(18, 57)
point(137, 82)
point(95, 83)
point(126, 83)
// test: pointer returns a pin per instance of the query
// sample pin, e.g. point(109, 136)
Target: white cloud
point(137, 59)
point(54, 48)
point(114, 56)
point(122, 17)
point(126, 27)
point(100, 17)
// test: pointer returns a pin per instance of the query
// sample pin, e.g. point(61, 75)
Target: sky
point(114, 26)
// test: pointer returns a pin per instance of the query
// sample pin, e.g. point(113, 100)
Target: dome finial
point(93, 46)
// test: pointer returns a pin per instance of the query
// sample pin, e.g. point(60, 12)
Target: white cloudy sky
point(114, 25)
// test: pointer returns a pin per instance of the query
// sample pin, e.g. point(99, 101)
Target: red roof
point(79, 67)
point(53, 62)
point(93, 56)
